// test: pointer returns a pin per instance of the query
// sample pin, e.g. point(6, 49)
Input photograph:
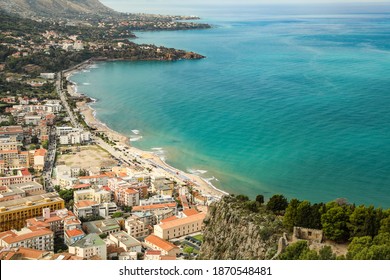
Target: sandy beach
point(89, 115)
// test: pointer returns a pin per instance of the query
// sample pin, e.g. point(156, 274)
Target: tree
point(188, 250)
point(34, 139)
point(315, 217)
point(117, 215)
point(290, 216)
point(251, 205)
point(335, 222)
point(277, 204)
point(385, 224)
point(127, 209)
point(260, 199)
point(363, 222)
point(45, 144)
point(83, 172)
point(103, 235)
point(304, 213)
point(295, 251)
point(242, 197)
point(66, 195)
point(366, 248)
point(326, 253)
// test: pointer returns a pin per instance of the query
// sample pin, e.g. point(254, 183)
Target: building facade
point(180, 227)
point(13, 213)
point(31, 237)
point(89, 246)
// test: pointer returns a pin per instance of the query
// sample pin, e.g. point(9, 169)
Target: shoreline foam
point(90, 117)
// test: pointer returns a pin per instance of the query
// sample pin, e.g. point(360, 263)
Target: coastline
point(89, 114)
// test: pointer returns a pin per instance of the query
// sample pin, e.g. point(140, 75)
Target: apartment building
point(55, 221)
point(106, 226)
point(70, 135)
point(39, 159)
point(29, 237)
point(23, 176)
point(89, 246)
point(86, 208)
point(13, 213)
point(126, 197)
point(13, 133)
point(73, 235)
point(136, 228)
point(125, 241)
point(100, 196)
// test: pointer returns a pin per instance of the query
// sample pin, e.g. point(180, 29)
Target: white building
point(100, 196)
point(125, 241)
point(66, 175)
point(86, 208)
point(88, 246)
point(107, 209)
point(157, 199)
point(53, 106)
point(70, 135)
point(49, 76)
point(39, 158)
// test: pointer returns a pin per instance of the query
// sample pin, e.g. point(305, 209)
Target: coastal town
point(81, 192)
point(70, 187)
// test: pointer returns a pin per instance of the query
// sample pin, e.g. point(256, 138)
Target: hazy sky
point(184, 6)
point(194, 2)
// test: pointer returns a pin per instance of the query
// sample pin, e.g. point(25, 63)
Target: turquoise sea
point(289, 100)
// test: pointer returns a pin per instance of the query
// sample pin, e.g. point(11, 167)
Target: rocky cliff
point(55, 8)
point(239, 229)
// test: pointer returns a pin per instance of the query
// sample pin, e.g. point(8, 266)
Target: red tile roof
point(74, 232)
point(29, 253)
point(168, 258)
point(81, 186)
point(85, 203)
point(40, 152)
point(183, 221)
point(153, 252)
point(190, 212)
point(25, 172)
point(160, 243)
point(11, 237)
point(169, 219)
point(131, 191)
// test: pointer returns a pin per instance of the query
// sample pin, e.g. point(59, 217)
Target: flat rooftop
point(29, 201)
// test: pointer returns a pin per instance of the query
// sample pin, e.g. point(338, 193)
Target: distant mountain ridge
point(55, 8)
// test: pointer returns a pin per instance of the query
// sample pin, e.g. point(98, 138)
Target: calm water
point(285, 102)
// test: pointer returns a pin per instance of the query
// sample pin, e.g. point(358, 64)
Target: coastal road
point(49, 162)
point(61, 94)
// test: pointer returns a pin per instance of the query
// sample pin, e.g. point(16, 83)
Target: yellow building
point(13, 213)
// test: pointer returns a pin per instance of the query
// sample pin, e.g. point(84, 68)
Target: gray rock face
point(234, 232)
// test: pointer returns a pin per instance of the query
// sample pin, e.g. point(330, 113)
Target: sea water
point(287, 101)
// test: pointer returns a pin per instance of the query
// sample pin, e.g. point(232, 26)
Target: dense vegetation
point(365, 228)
